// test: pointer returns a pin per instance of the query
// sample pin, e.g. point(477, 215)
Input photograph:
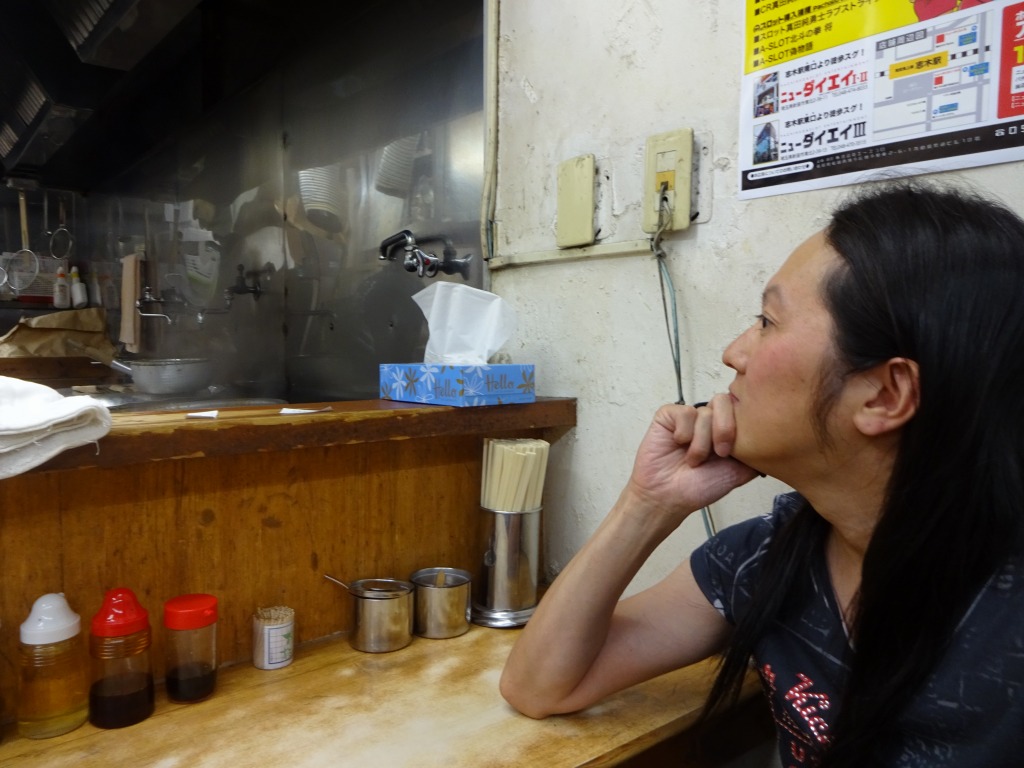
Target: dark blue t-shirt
point(969, 713)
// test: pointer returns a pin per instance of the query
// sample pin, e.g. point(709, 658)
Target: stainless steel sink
point(195, 405)
point(127, 401)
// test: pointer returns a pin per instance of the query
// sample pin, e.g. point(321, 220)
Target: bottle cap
point(50, 621)
point(190, 611)
point(119, 615)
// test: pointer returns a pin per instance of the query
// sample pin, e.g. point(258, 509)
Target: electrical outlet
point(667, 171)
point(575, 223)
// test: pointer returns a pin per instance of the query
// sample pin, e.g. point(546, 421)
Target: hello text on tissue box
point(467, 326)
point(459, 385)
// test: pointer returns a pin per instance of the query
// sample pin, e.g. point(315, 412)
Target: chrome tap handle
point(412, 261)
point(422, 263)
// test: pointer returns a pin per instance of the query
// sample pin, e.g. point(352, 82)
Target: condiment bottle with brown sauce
point(122, 691)
point(191, 624)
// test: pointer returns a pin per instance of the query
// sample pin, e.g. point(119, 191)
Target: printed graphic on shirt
point(970, 712)
point(803, 717)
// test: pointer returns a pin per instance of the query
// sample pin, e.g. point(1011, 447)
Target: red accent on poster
point(1011, 65)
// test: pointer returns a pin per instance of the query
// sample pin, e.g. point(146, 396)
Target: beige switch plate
point(669, 160)
point(574, 225)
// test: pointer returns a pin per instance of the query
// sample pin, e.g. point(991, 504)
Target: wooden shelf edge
point(138, 438)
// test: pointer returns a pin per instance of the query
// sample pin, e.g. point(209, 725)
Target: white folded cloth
point(37, 423)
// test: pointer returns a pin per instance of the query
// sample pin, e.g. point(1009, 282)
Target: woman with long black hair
point(882, 601)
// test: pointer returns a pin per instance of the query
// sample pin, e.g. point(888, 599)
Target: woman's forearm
point(582, 642)
point(569, 631)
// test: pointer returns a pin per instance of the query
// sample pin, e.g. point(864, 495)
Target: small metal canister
point(442, 602)
point(383, 615)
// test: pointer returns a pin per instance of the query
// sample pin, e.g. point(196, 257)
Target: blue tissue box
point(461, 385)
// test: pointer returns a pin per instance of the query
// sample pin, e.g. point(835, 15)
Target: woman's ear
point(893, 396)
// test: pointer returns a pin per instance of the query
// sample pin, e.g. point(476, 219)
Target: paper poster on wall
point(838, 91)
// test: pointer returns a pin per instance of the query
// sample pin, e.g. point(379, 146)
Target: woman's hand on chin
point(684, 461)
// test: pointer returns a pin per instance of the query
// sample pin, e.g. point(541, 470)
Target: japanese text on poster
point(836, 91)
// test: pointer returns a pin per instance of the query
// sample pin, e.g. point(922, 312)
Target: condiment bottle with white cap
point(122, 690)
point(53, 671)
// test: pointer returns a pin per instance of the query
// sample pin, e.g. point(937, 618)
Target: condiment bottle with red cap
point(122, 689)
point(191, 624)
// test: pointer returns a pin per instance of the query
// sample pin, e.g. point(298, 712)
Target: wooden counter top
point(143, 437)
point(253, 507)
point(434, 704)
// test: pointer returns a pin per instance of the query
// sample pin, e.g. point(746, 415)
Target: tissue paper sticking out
point(467, 325)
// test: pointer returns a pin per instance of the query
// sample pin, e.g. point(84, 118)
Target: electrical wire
point(670, 308)
point(665, 278)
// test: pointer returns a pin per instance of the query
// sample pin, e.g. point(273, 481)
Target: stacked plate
point(322, 196)
point(394, 174)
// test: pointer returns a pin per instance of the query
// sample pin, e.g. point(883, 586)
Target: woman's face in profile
point(778, 361)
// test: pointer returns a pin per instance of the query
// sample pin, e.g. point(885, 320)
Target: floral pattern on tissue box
point(461, 385)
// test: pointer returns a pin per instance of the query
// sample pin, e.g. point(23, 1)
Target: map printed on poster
point(837, 91)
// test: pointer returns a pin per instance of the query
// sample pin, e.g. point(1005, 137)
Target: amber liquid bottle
point(53, 673)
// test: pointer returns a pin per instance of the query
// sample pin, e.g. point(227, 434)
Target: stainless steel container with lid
point(382, 617)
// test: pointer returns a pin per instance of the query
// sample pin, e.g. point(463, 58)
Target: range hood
point(117, 33)
point(90, 90)
point(59, 61)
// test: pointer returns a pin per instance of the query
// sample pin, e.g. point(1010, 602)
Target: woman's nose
point(735, 355)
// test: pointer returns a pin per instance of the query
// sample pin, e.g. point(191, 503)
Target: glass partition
point(258, 231)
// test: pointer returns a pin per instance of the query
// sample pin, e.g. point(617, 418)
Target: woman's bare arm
point(583, 643)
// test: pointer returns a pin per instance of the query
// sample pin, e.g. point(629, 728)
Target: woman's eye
point(762, 321)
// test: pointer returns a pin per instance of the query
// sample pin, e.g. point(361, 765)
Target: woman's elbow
point(524, 698)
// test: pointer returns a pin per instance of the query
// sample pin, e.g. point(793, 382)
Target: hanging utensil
point(22, 266)
point(61, 240)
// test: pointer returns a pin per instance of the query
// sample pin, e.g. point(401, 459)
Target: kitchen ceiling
point(89, 87)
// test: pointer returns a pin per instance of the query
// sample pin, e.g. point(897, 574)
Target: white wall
point(599, 76)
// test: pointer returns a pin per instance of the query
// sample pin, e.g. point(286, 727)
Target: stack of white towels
point(37, 423)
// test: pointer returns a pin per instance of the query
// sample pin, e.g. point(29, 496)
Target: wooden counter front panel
point(255, 530)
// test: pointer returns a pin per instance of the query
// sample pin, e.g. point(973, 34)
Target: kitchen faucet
point(242, 286)
point(419, 261)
